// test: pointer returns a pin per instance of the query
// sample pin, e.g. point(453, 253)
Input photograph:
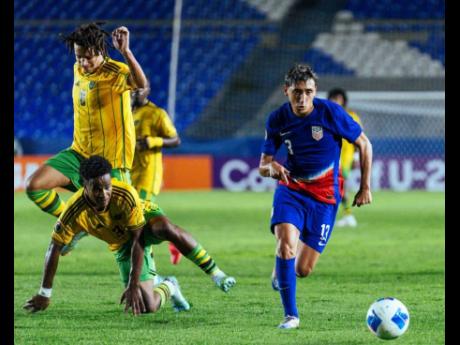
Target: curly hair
point(89, 36)
point(300, 72)
point(95, 166)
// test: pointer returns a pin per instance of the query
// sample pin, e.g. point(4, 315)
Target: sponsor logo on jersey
point(92, 84)
point(317, 132)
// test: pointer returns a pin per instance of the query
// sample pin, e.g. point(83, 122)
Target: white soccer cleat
point(225, 283)
point(289, 322)
point(178, 300)
point(348, 220)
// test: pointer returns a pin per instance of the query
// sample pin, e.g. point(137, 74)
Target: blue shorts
point(313, 218)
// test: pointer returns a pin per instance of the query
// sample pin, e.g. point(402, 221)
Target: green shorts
point(68, 163)
point(123, 255)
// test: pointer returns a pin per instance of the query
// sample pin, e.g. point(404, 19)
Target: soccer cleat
point(348, 220)
point(73, 243)
point(275, 284)
point(178, 300)
point(225, 283)
point(175, 254)
point(289, 322)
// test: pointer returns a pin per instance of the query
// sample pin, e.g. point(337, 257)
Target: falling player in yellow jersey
point(112, 211)
point(103, 122)
point(154, 130)
point(347, 157)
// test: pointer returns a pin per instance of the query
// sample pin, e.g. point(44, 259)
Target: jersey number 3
point(289, 146)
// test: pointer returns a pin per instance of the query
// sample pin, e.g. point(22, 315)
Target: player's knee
point(303, 272)
point(152, 308)
point(285, 251)
point(32, 183)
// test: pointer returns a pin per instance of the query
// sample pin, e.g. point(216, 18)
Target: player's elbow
point(177, 142)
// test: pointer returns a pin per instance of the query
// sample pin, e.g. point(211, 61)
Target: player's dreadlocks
point(88, 36)
point(300, 72)
point(95, 166)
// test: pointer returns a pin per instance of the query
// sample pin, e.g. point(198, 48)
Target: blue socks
point(285, 272)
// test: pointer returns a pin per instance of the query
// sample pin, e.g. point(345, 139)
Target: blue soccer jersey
point(313, 144)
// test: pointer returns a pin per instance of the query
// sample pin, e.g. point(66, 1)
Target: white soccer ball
point(387, 318)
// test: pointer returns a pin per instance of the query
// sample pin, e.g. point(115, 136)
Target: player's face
point(88, 59)
point(138, 98)
point(301, 96)
point(99, 191)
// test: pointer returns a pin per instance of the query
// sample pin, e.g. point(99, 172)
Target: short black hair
point(300, 72)
point(88, 36)
point(338, 92)
point(95, 166)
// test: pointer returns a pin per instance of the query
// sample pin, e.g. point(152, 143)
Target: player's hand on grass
point(277, 171)
point(37, 303)
point(132, 297)
point(120, 39)
point(363, 197)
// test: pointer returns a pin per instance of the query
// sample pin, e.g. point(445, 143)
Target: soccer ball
point(387, 318)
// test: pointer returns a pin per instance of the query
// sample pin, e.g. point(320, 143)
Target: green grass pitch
point(396, 250)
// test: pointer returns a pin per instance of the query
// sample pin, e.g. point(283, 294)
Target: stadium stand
point(232, 58)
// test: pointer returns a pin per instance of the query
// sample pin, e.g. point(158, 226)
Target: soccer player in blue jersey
point(310, 187)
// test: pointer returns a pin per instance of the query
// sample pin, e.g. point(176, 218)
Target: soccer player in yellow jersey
point(347, 157)
point(103, 122)
point(112, 211)
point(154, 130)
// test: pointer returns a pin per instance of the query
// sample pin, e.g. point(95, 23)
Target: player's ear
point(285, 89)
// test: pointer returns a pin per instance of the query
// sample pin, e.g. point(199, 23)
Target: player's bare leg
point(163, 229)
point(306, 260)
point(40, 189)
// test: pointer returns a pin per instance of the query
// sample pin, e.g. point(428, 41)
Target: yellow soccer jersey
point(348, 149)
point(113, 226)
point(103, 122)
point(147, 171)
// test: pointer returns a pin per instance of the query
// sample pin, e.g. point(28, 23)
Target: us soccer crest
point(317, 132)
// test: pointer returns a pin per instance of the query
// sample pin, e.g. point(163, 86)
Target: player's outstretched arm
point(271, 168)
point(364, 196)
point(132, 295)
point(42, 300)
point(120, 40)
